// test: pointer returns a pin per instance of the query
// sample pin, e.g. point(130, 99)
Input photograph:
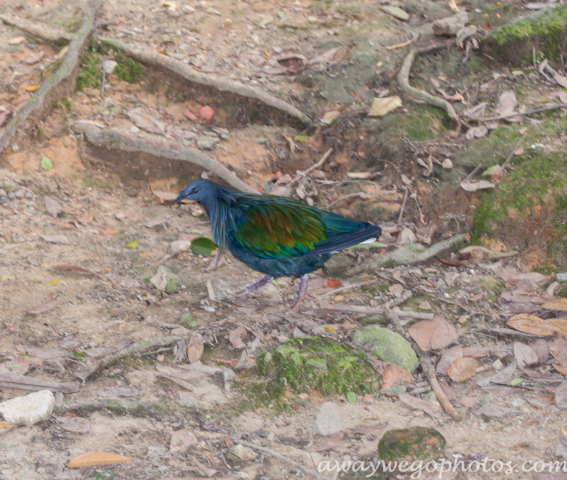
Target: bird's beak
point(181, 199)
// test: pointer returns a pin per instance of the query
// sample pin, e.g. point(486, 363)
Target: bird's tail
point(363, 233)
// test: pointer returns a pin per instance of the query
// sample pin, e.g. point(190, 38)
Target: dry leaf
point(236, 336)
point(492, 410)
point(531, 324)
point(561, 80)
point(86, 218)
point(558, 348)
point(195, 352)
point(145, 121)
point(59, 239)
point(19, 366)
point(329, 56)
point(97, 459)
point(519, 151)
point(52, 206)
point(32, 88)
point(395, 375)
point(334, 283)
point(328, 442)
point(433, 334)
point(541, 348)
point(74, 424)
point(383, 106)
point(181, 440)
point(462, 369)
point(453, 6)
point(6, 426)
point(359, 175)
point(165, 196)
point(44, 307)
point(476, 186)
point(559, 368)
point(559, 323)
point(559, 304)
point(525, 355)
point(477, 132)
point(448, 357)
point(16, 40)
point(507, 102)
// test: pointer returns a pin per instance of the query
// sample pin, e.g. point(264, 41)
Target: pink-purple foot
point(302, 294)
point(255, 286)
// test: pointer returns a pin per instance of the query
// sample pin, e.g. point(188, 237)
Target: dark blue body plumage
point(276, 235)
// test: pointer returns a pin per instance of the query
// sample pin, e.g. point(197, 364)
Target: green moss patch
point(314, 363)
point(546, 31)
point(411, 444)
point(128, 70)
point(90, 75)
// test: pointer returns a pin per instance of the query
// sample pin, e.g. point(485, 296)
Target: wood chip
point(97, 459)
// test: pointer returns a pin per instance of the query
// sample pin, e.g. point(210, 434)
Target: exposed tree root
point(403, 79)
point(137, 347)
point(42, 33)
point(411, 254)
point(427, 368)
point(115, 139)
point(57, 85)
point(21, 382)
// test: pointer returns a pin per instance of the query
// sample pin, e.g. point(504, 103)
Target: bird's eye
point(195, 190)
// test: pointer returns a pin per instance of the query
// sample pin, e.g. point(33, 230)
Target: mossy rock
point(338, 265)
point(387, 346)
point(513, 43)
point(411, 444)
point(315, 363)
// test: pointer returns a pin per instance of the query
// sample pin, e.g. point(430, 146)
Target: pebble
point(186, 400)
point(206, 143)
point(561, 277)
point(29, 409)
point(108, 102)
point(328, 420)
point(240, 452)
point(9, 186)
point(134, 129)
point(20, 193)
point(3, 193)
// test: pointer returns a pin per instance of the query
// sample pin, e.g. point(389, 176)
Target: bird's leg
point(255, 286)
point(302, 291)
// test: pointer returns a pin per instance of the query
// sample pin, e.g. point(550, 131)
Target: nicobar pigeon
point(276, 235)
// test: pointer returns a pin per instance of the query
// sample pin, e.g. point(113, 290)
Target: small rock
point(108, 66)
point(271, 436)
point(328, 420)
point(186, 400)
point(497, 365)
point(339, 298)
point(134, 129)
point(447, 164)
point(406, 236)
point(218, 290)
point(181, 440)
point(206, 143)
point(108, 102)
point(29, 409)
point(411, 444)
point(241, 453)
point(367, 398)
point(165, 280)
point(396, 390)
point(396, 12)
point(20, 193)
point(425, 305)
point(10, 186)
point(3, 193)
point(561, 277)
point(396, 290)
point(228, 375)
point(450, 25)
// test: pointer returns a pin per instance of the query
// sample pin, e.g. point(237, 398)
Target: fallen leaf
point(507, 102)
point(16, 40)
point(477, 132)
point(501, 378)
point(19, 366)
point(462, 369)
point(541, 348)
point(195, 352)
point(328, 442)
point(395, 375)
point(46, 163)
point(475, 186)
point(560, 369)
point(383, 106)
point(453, 6)
point(52, 206)
point(470, 257)
point(334, 283)
point(561, 80)
point(236, 336)
point(59, 239)
point(44, 307)
point(559, 304)
point(54, 282)
point(492, 410)
point(531, 324)
point(86, 218)
point(32, 88)
point(448, 357)
point(181, 440)
point(97, 459)
point(330, 56)
point(74, 424)
point(359, 175)
point(145, 121)
point(430, 408)
point(132, 244)
point(525, 355)
point(519, 151)
point(558, 348)
point(433, 334)
point(6, 426)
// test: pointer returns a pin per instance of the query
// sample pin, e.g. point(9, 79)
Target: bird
point(278, 236)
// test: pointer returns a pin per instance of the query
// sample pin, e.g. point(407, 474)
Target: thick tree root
point(57, 85)
point(427, 368)
point(409, 254)
point(403, 79)
point(46, 34)
point(120, 140)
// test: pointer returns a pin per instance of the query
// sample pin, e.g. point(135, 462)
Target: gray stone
point(10, 186)
point(206, 143)
point(134, 129)
point(338, 265)
point(3, 193)
point(108, 102)
point(186, 400)
point(396, 12)
point(20, 193)
point(29, 409)
point(241, 453)
point(165, 280)
point(450, 25)
point(328, 420)
point(218, 290)
point(228, 375)
point(396, 390)
point(387, 346)
point(11, 195)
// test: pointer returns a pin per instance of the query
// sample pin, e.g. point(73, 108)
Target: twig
point(21, 382)
point(347, 287)
point(58, 84)
point(404, 44)
point(409, 254)
point(132, 349)
point(346, 197)
point(302, 175)
point(222, 84)
point(113, 138)
point(403, 205)
point(512, 152)
point(403, 79)
point(528, 112)
point(268, 451)
point(380, 310)
point(509, 331)
point(473, 173)
point(427, 368)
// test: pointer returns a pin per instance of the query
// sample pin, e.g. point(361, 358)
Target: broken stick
point(113, 138)
point(403, 79)
point(20, 382)
point(427, 368)
point(58, 84)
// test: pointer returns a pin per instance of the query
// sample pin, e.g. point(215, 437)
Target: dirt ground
point(79, 242)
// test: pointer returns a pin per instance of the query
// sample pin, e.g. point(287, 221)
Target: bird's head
point(198, 191)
